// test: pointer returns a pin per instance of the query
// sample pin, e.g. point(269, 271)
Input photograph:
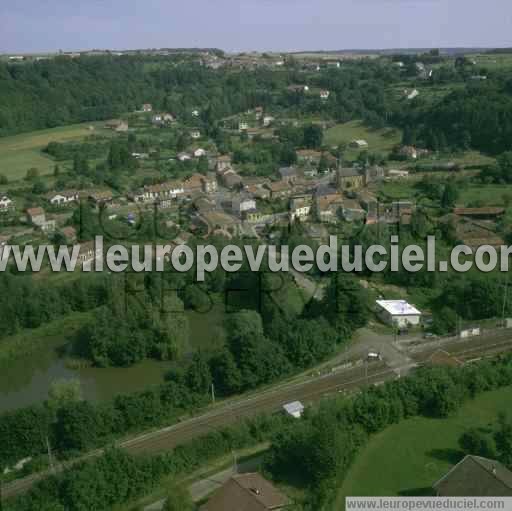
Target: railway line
point(307, 390)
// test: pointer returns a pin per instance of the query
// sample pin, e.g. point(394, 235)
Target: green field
point(381, 141)
point(407, 458)
point(486, 195)
point(493, 61)
point(22, 152)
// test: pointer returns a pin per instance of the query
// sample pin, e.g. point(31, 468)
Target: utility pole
point(235, 462)
point(505, 292)
point(50, 458)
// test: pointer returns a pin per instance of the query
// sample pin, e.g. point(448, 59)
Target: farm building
point(398, 312)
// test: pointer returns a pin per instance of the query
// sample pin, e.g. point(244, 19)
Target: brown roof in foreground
point(35, 211)
point(247, 492)
point(475, 476)
point(479, 211)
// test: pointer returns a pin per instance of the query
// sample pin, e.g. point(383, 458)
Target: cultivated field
point(428, 448)
point(22, 152)
point(380, 141)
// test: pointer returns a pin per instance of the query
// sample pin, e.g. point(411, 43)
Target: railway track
point(309, 390)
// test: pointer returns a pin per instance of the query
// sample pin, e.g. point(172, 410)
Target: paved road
point(307, 390)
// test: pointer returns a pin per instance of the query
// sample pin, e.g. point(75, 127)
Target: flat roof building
point(398, 312)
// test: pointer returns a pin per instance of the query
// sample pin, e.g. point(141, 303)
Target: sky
point(241, 25)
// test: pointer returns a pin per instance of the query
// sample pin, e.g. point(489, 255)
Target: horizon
point(254, 25)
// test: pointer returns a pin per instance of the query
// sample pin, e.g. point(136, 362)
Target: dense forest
point(62, 91)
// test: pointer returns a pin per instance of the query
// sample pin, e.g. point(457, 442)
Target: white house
point(243, 203)
point(64, 197)
point(412, 94)
point(169, 190)
point(184, 156)
point(398, 312)
point(359, 144)
point(295, 409)
point(199, 152)
point(268, 120)
point(195, 134)
point(5, 203)
point(300, 207)
point(324, 94)
point(243, 126)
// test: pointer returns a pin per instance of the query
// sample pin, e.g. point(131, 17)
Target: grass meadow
point(19, 153)
point(407, 458)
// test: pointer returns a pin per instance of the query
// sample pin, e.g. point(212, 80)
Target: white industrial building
point(398, 312)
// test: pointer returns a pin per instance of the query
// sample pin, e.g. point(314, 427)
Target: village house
point(370, 204)
point(37, 217)
point(243, 126)
point(475, 476)
point(69, 233)
point(167, 190)
point(101, 198)
point(393, 174)
point(326, 191)
point(298, 88)
point(147, 107)
point(268, 120)
point(5, 203)
point(258, 191)
point(258, 112)
point(209, 183)
point(308, 156)
point(242, 203)
point(324, 94)
point(255, 216)
point(411, 152)
point(374, 173)
point(352, 210)
point(223, 163)
point(193, 184)
point(247, 492)
point(162, 119)
point(328, 208)
point(88, 253)
point(219, 221)
point(117, 125)
point(288, 174)
point(279, 190)
point(62, 197)
point(195, 134)
point(230, 179)
point(140, 156)
point(183, 156)
point(204, 205)
point(300, 207)
point(411, 94)
point(349, 179)
point(359, 144)
point(199, 152)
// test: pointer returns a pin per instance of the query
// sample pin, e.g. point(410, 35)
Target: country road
point(307, 390)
